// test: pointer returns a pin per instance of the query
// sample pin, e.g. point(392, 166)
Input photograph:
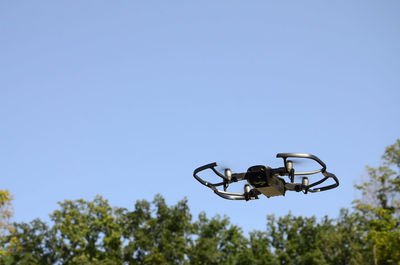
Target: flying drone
point(268, 181)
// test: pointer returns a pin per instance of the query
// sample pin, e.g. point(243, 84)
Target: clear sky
point(125, 98)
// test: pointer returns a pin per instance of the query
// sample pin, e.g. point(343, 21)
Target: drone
point(268, 181)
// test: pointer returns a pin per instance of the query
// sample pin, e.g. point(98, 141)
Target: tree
point(88, 232)
point(216, 242)
point(5, 211)
point(380, 206)
point(345, 242)
point(381, 189)
point(92, 232)
point(258, 251)
point(158, 234)
point(297, 240)
point(5, 216)
point(30, 243)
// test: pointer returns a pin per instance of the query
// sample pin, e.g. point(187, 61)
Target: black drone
point(266, 180)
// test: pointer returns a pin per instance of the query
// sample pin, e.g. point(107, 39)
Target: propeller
point(224, 169)
point(298, 161)
point(291, 165)
point(221, 167)
point(294, 163)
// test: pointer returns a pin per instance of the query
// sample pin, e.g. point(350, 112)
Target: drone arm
point(238, 177)
point(293, 186)
point(299, 186)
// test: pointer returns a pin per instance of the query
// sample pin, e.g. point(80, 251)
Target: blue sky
point(125, 98)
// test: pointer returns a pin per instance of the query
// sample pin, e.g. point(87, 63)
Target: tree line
point(93, 232)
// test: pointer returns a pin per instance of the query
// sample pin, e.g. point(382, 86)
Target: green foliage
point(380, 207)
point(301, 240)
point(217, 242)
point(88, 230)
point(156, 235)
point(382, 186)
point(31, 244)
point(5, 211)
point(92, 232)
point(5, 216)
point(258, 250)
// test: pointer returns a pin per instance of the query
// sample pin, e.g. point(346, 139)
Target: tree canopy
point(93, 232)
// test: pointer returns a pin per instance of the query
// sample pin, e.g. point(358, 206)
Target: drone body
point(268, 181)
point(264, 181)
